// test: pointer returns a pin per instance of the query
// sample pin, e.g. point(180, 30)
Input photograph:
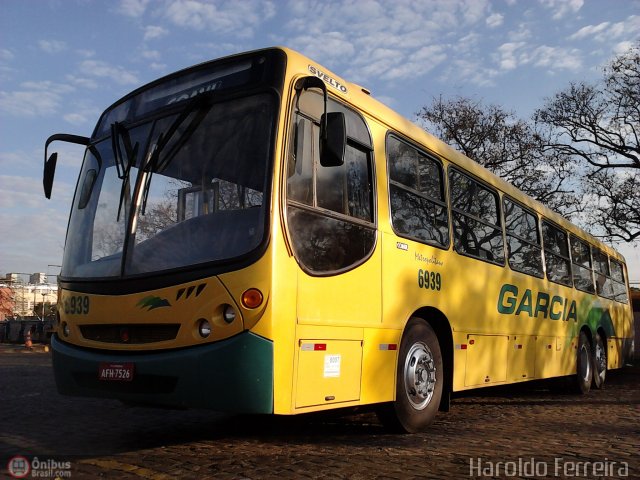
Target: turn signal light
point(252, 298)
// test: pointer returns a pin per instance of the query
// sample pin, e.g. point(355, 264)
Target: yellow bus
point(256, 234)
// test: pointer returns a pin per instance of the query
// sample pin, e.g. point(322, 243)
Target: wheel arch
point(442, 328)
point(588, 332)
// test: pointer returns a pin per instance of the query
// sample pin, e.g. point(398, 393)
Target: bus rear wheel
point(419, 380)
point(599, 361)
point(584, 364)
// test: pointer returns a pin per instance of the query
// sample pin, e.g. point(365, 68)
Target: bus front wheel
point(584, 364)
point(599, 361)
point(419, 380)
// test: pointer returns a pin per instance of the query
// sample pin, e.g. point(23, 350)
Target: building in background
point(23, 295)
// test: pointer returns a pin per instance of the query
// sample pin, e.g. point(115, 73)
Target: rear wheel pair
point(591, 368)
point(419, 380)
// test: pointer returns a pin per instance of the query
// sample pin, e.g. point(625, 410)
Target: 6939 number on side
point(429, 280)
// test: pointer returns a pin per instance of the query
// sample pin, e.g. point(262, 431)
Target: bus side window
point(556, 254)
point(581, 258)
point(523, 242)
point(476, 224)
point(330, 209)
point(604, 285)
point(619, 283)
point(418, 208)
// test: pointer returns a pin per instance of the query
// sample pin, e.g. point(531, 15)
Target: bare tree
point(7, 302)
point(510, 147)
point(600, 125)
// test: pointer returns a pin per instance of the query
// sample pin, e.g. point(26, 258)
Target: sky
point(62, 62)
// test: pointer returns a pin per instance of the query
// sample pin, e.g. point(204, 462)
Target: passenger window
point(619, 284)
point(581, 259)
point(330, 211)
point(523, 242)
point(604, 285)
point(556, 254)
point(418, 209)
point(476, 223)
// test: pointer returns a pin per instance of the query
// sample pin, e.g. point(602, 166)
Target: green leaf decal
point(153, 302)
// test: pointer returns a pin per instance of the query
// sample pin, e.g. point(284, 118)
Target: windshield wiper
point(123, 168)
point(197, 103)
point(153, 163)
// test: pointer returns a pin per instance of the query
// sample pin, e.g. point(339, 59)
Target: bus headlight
point(204, 328)
point(229, 314)
point(65, 329)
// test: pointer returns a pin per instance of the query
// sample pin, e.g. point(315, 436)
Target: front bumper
point(233, 375)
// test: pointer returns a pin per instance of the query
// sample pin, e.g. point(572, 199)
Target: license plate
point(115, 372)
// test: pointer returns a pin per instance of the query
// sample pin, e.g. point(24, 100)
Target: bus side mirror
point(333, 139)
point(49, 172)
point(50, 163)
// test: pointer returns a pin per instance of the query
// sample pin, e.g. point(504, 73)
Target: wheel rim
point(585, 366)
point(601, 359)
point(419, 375)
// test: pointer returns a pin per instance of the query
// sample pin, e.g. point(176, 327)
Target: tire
point(584, 364)
point(599, 361)
point(419, 380)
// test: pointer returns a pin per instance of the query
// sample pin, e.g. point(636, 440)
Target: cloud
point(152, 32)
point(86, 53)
point(512, 55)
point(562, 8)
point(6, 55)
point(508, 55)
point(494, 20)
point(82, 82)
point(554, 58)
point(132, 8)
point(82, 115)
point(19, 191)
point(159, 67)
point(607, 31)
point(150, 54)
point(33, 99)
point(98, 68)
point(368, 40)
point(13, 159)
point(238, 17)
point(52, 46)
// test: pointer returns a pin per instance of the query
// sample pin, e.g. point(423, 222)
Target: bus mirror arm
point(333, 136)
point(50, 163)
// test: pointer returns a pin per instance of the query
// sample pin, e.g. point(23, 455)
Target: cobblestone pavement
point(550, 435)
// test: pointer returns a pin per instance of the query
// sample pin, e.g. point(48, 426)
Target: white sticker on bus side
point(331, 366)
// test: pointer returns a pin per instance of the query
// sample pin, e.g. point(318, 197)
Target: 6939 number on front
point(76, 305)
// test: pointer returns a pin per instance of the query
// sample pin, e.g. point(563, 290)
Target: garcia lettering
point(512, 302)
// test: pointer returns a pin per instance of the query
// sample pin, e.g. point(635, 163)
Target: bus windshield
point(182, 187)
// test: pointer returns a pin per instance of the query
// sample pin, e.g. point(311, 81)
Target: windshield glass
point(187, 185)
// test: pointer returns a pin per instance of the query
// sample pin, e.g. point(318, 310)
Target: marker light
point(252, 298)
point(229, 314)
point(204, 328)
point(65, 329)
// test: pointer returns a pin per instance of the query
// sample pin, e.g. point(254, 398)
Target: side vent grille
point(187, 292)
